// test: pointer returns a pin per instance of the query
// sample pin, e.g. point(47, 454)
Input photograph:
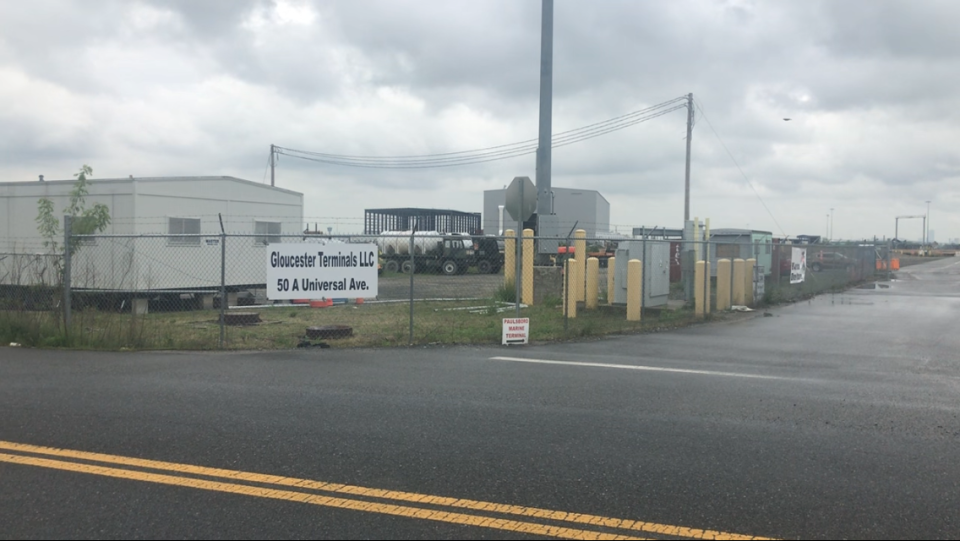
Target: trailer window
point(267, 233)
point(184, 226)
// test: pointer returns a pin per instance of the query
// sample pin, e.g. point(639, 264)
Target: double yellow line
point(388, 502)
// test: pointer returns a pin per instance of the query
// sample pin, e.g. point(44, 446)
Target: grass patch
point(373, 324)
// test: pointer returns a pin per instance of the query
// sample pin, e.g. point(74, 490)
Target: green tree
point(86, 221)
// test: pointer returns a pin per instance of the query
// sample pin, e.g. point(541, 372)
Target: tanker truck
point(450, 253)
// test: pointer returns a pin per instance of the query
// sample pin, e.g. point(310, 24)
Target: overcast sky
point(194, 87)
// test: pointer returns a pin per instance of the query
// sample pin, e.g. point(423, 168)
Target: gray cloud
point(179, 87)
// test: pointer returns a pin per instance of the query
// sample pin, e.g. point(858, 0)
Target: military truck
point(432, 252)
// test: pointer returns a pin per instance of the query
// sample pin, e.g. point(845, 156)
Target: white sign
point(759, 284)
point(516, 330)
point(798, 265)
point(311, 271)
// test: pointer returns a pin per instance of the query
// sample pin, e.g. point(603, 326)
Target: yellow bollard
point(706, 287)
point(526, 288)
point(738, 282)
point(696, 239)
point(698, 288)
point(723, 284)
point(593, 287)
point(509, 257)
point(610, 267)
point(748, 281)
point(570, 292)
point(634, 279)
point(580, 253)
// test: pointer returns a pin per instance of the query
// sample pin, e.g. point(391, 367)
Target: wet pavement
point(836, 417)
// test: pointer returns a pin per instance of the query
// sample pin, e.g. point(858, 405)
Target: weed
point(506, 293)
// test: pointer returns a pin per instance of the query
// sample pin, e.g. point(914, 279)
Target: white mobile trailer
point(151, 206)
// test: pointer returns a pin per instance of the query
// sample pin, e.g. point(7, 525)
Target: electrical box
point(656, 271)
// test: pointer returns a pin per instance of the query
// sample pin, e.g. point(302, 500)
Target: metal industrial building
point(587, 209)
point(376, 221)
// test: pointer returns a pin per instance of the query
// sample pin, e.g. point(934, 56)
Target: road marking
point(408, 497)
point(636, 367)
point(315, 499)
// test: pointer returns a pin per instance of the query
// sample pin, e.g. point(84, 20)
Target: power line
point(494, 153)
point(483, 150)
point(704, 115)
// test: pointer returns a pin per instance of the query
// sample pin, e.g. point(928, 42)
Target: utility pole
point(544, 151)
point(686, 183)
point(926, 226)
point(273, 153)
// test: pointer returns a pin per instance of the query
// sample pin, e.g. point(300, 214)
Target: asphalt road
point(832, 418)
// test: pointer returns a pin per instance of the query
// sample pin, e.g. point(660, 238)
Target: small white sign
point(312, 271)
point(516, 330)
point(798, 265)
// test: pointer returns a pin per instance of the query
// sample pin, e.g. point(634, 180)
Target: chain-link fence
point(314, 290)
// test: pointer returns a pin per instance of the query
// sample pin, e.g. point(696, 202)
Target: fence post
point(67, 271)
point(223, 287)
point(509, 258)
point(643, 273)
point(413, 270)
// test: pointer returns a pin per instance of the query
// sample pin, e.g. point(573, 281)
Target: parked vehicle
point(817, 261)
point(432, 251)
point(488, 254)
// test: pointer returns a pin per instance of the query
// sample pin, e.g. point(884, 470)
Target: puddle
point(874, 286)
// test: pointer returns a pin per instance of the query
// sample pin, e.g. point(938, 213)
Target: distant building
point(376, 221)
point(587, 209)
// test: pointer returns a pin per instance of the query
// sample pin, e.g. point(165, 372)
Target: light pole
point(831, 224)
point(828, 228)
point(926, 229)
